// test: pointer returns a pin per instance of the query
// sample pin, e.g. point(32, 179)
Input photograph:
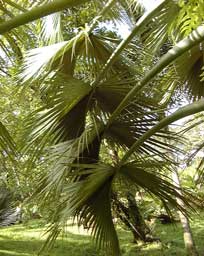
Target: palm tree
point(93, 91)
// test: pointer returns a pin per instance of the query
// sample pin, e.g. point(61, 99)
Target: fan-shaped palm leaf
point(135, 120)
point(190, 109)
point(83, 149)
point(189, 68)
point(142, 22)
point(155, 184)
point(42, 59)
point(183, 46)
point(155, 36)
point(65, 103)
point(51, 29)
point(85, 199)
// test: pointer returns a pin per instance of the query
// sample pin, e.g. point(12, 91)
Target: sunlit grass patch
point(27, 239)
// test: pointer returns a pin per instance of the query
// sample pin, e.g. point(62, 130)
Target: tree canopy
point(88, 90)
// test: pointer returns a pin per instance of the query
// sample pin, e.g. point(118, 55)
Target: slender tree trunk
point(137, 219)
point(130, 215)
point(187, 234)
point(132, 218)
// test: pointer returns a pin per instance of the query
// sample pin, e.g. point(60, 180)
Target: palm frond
point(182, 47)
point(63, 116)
point(190, 16)
point(81, 149)
point(155, 36)
point(59, 157)
point(51, 29)
point(136, 119)
point(189, 68)
point(135, 31)
point(54, 116)
point(85, 199)
point(125, 133)
point(39, 60)
point(154, 183)
point(94, 50)
point(6, 142)
point(188, 110)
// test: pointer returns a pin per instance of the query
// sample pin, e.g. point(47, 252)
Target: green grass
point(26, 240)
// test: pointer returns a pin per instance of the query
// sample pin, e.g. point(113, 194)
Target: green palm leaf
point(62, 118)
point(189, 68)
point(51, 32)
point(93, 50)
point(154, 183)
point(188, 110)
point(136, 119)
point(155, 36)
point(63, 96)
point(85, 197)
point(182, 47)
point(6, 142)
point(38, 62)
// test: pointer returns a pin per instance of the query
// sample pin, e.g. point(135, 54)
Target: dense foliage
point(87, 111)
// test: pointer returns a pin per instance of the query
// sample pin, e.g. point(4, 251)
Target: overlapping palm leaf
point(149, 176)
point(63, 117)
point(137, 118)
point(75, 114)
point(85, 199)
point(51, 30)
point(189, 68)
point(6, 142)
point(155, 36)
point(86, 191)
point(92, 50)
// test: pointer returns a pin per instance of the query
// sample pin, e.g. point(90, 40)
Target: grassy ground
point(26, 240)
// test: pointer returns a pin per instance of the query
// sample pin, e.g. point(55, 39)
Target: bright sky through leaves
point(150, 4)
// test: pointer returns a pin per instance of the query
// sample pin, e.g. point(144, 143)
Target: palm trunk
point(132, 218)
point(187, 234)
point(137, 219)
